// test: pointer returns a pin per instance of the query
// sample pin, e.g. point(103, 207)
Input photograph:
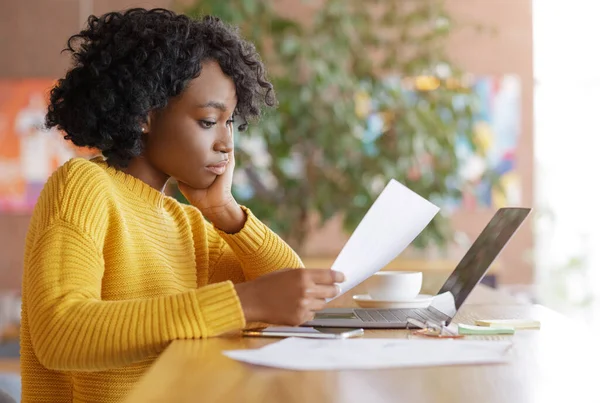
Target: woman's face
point(191, 137)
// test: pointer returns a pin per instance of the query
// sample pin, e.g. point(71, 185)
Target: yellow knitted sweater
point(114, 271)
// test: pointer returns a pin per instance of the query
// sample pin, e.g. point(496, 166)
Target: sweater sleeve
point(73, 329)
point(250, 253)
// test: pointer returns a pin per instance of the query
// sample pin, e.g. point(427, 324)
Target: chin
point(203, 182)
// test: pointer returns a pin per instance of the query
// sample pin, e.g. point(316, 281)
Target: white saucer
point(420, 301)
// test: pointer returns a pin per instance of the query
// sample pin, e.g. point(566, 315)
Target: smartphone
point(310, 332)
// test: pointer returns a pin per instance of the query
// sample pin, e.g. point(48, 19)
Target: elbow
point(68, 356)
point(58, 354)
point(56, 359)
point(52, 361)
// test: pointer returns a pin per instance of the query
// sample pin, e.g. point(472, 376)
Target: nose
point(224, 141)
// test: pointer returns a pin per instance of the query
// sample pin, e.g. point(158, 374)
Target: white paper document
point(394, 220)
point(311, 355)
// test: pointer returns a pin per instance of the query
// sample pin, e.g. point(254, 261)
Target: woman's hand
point(216, 202)
point(288, 297)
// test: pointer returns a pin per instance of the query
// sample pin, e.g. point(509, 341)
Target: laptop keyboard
point(393, 315)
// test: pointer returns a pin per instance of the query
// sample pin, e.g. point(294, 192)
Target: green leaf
point(317, 68)
point(249, 6)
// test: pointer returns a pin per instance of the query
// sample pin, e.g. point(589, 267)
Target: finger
point(316, 305)
point(323, 291)
point(221, 180)
point(231, 154)
point(186, 190)
point(228, 174)
point(326, 276)
point(224, 181)
point(308, 316)
point(306, 312)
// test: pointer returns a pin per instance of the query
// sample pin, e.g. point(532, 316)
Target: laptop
point(467, 274)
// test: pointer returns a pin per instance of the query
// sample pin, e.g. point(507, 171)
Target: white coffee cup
point(395, 285)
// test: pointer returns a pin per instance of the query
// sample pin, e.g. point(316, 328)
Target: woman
point(114, 269)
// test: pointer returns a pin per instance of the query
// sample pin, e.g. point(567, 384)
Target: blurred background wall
point(32, 33)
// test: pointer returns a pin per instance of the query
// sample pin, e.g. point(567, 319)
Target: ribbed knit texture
point(114, 271)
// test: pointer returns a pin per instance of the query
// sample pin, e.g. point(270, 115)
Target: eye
point(206, 124)
point(231, 121)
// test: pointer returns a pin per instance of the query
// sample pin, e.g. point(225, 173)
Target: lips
point(219, 168)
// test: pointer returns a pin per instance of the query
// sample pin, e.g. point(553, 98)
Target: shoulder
point(79, 192)
point(80, 182)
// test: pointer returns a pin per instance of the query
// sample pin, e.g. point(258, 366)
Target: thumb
point(183, 187)
point(187, 191)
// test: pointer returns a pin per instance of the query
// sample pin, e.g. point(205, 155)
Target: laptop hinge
point(441, 316)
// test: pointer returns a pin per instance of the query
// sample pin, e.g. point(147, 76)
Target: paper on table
point(394, 220)
point(310, 355)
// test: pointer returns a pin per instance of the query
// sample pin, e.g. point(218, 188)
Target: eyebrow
point(213, 104)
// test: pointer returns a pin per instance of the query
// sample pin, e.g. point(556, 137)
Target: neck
point(140, 168)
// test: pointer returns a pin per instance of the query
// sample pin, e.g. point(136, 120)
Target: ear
point(146, 125)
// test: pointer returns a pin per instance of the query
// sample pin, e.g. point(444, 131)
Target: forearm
point(230, 218)
point(91, 335)
point(257, 249)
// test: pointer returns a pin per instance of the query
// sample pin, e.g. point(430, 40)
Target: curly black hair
point(129, 63)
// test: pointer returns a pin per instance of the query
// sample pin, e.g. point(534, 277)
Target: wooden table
point(553, 364)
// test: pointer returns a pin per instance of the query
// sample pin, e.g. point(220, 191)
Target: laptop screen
point(483, 252)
